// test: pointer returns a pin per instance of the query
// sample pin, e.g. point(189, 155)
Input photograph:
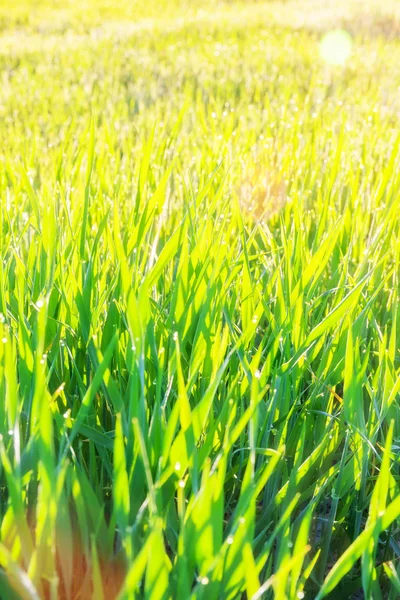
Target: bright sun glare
point(335, 47)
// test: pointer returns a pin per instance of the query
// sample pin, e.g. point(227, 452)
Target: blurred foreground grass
point(199, 356)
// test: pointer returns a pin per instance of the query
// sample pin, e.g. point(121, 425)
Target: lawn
point(199, 300)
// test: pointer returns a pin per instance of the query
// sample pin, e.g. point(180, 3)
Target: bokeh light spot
point(335, 47)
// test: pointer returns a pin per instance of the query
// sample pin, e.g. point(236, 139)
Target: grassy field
point(199, 296)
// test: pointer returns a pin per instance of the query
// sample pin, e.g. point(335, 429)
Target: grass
point(199, 356)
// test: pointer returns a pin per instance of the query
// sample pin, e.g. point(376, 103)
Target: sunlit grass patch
point(199, 316)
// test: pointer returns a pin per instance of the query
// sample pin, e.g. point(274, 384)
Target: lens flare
point(335, 47)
